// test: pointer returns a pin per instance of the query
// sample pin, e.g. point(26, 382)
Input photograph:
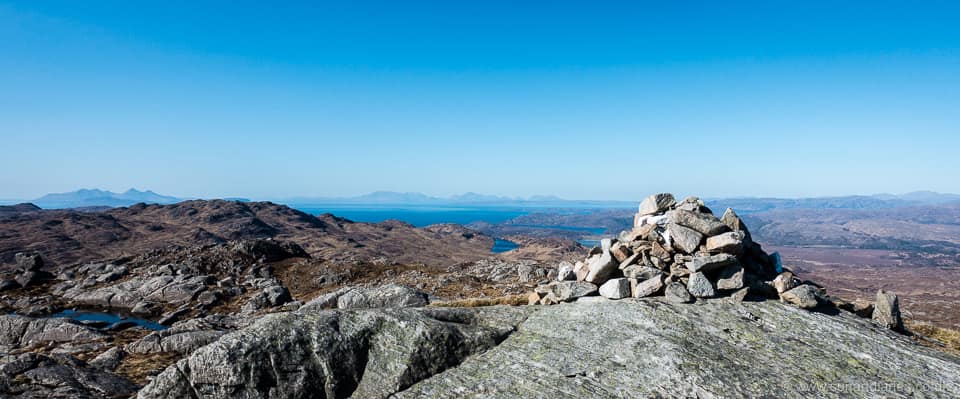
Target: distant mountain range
point(470, 198)
point(97, 198)
point(102, 198)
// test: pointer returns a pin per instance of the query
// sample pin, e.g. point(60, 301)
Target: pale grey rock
point(109, 360)
point(785, 282)
point(326, 301)
point(601, 268)
point(676, 292)
point(730, 242)
point(617, 288)
point(717, 349)
point(692, 204)
point(740, 295)
point(530, 273)
point(699, 286)
point(569, 290)
point(144, 308)
point(640, 272)
point(805, 296)
point(550, 299)
point(591, 299)
point(176, 290)
point(272, 295)
point(703, 223)
point(31, 375)
point(32, 277)
point(20, 331)
point(648, 287)
point(631, 260)
point(656, 203)
point(28, 261)
point(731, 277)
point(360, 353)
point(684, 239)
point(565, 271)
point(886, 311)
point(710, 263)
point(606, 244)
point(581, 270)
point(621, 252)
point(388, 296)
point(733, 221)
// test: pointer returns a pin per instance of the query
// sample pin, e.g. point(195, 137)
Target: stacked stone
point(679, 250)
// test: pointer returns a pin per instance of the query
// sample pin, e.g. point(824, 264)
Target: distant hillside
point(67, 236)
point(95, 197)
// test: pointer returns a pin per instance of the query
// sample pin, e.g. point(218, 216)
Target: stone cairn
point(679, 250)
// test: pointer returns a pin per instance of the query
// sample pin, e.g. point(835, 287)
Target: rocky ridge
point(66, 237)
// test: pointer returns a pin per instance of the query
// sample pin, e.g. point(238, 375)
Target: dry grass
point(512, 300)
point(138, 368)
point(949, 338)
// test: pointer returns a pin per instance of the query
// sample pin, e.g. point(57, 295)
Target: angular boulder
point(601, 268)
point(684, 239)
point(805, 296)
point(731, 277)
point(730, 242)
point(733, 221)
point(656, 203)
point(710, 263)
point(617, 288)
point(886, 311)
point(388, 296)
point(641, 272)
point(699, 286)
point(565, 271)
point(648, 287)
point(570, 290)
point(676, 292)
point(702, 223)
point(785, 282)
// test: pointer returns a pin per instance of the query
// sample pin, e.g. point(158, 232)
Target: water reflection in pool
point(109, 319)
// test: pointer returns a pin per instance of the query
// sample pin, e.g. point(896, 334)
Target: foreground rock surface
point(632, 348)
point(335, 354)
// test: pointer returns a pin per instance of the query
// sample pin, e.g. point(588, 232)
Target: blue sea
point(417, 216)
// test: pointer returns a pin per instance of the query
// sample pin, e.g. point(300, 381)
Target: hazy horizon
point(576, 99)
point(304, 200)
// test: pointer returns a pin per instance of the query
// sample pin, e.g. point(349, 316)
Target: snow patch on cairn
point(680, 250)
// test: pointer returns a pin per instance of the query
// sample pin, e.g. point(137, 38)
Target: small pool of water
point(589, 243)
point(503, 246)
point(109, 318)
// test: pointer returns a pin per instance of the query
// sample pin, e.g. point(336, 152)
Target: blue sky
point(589, 100)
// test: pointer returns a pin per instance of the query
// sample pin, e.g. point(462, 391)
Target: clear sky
point(587, 100)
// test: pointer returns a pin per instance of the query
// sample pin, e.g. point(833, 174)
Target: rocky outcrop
point(186, 336)
point(32, 375)
point(334, 354)
point(649, 348)
point(606, 349)
point(388, 296)
point(19, 331)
